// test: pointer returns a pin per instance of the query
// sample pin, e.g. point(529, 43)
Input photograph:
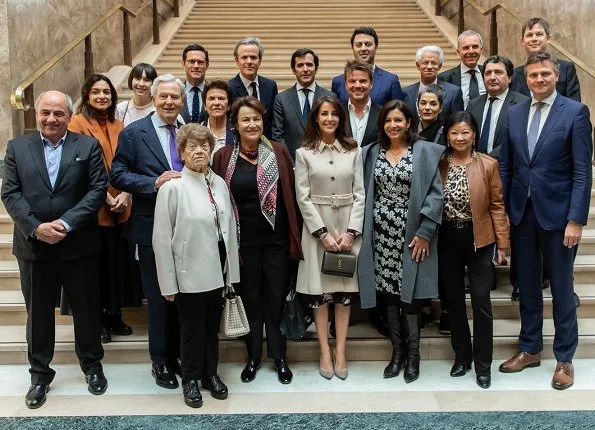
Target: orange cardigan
point(79, 124)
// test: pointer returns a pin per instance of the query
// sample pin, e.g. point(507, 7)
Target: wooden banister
point(23, 96)
point(492, 12)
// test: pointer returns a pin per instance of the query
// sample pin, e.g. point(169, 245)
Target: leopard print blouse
point(457, 202)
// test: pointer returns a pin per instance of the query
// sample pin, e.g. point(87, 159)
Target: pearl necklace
point(140, 107)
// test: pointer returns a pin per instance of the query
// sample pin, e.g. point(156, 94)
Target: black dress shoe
point(118, 326)
point(216, 386)
point(515, 296)
point(459, 370)
point(249, 372)
point(97, 383)
point(484, 381)
point(284, 374)
point(35, 397)
point(106, 334)
point(192, 396)
point(164, 376)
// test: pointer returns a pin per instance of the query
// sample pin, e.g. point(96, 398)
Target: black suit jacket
point(268, 91)
point(185, 112)
point(476, 108)
point(288, 123)
point(138, 162)
point(567, 85)
point(453, 75)
point(78, 194)
point(371, 133)
point(453, 99)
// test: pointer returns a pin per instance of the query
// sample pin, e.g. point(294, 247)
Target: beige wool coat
point(320, 173)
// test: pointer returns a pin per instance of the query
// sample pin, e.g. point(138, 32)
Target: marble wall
point(38, 29)
point(5, 82)
point(571, 25)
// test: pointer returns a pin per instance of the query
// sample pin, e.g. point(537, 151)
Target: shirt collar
point(549, 100)
point(200, 86)
point(47, 142)
point(423, 86)
point(465, 69)
point(311, 87)
point(247, 82)
point(159, 122)
point(499, 96)
point(335, 146)
point(351, 107)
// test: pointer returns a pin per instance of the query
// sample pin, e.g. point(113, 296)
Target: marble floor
point(132, 391)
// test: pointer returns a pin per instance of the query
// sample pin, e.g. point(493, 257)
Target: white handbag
point(234, 322)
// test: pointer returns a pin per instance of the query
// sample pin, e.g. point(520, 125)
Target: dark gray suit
point(477, 106)
point(76, 197)
point(371, 133)
point(288, 123)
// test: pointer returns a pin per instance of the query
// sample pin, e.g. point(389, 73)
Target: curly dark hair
point(85, 107)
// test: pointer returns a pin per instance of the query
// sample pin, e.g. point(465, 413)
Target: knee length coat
point(424, 214)
point(328, 170)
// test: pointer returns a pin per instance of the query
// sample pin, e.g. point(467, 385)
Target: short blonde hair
point(197, 132)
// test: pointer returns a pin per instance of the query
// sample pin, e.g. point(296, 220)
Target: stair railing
point(23, 97)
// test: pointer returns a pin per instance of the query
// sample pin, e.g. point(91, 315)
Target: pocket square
point(77, 159)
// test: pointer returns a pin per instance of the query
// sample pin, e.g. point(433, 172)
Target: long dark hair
point(457, 117)
point(86, 109)
point(411, 134)
point(312, 135)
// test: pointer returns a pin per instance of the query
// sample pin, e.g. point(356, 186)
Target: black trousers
point(264, 285)
point(199, 315)
point(40, 283)
point(455, 251)
point(164, 331)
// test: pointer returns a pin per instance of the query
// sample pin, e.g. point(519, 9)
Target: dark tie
point(195, 104)
point(253, 88)
point(485, 130)
point(306, 110)
point(473, 85)
point(176, 161)
point(533, 132)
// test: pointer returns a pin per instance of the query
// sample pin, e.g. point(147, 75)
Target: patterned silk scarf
point(267, 176)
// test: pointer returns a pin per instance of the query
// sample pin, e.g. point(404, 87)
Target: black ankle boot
point(412, 369)
point(397, 360)
point(118, 326)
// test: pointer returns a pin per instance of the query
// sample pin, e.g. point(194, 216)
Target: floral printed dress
point(391, 201)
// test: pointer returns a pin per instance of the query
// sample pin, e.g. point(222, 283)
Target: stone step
point(364, 344)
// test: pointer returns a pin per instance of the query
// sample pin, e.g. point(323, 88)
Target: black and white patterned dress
point(391, 200)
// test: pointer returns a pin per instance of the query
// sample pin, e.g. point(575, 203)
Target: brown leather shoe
point(563, 376)
point(520, 361)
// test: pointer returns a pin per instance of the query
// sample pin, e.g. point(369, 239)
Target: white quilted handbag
point(234, 322)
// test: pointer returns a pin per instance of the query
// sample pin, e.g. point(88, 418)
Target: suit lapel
point(456, 77)
point(524, 122)
point(295, 104)
point(377, 83)
point(149, 136)
point(69, 149)
point(371, 125)
point(348, 122)
point(36, 148)
point(237, 84)
point(508, 101)
point(549, 124)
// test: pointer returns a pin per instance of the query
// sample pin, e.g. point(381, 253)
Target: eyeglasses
point(197, 62)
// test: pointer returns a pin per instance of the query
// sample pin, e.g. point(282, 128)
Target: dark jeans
point(199, 314)
point(455, 251)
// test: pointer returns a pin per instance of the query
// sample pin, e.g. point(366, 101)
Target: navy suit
point(542, 194)
point(268, 92)
point(138, 162)
point(386, 87)
point(567, 85)
point(453, 99)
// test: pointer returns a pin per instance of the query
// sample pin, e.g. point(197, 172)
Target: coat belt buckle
point(334, 201)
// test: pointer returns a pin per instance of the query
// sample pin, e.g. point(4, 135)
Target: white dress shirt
point(302, 96)
point(190, 95)
point(466, 80)
point(163, 133)
point(545, 111)
point(247, 83)
point(358, 124)
point(496, 109)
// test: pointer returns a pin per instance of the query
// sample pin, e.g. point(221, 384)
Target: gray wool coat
point(420, 280)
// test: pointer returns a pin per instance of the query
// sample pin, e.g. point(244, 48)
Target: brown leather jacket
point(490, 222)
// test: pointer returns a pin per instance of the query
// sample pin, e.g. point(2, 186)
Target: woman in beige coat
point(330, 194)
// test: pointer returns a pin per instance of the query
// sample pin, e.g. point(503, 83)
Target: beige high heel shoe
point(339, 373)
point(326, 373)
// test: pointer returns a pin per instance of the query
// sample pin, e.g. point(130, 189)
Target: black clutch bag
point(338, 264)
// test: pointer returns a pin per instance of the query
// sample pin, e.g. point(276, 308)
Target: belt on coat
point(335, 200)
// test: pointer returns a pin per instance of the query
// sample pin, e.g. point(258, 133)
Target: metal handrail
point(21, 101)
point(493, 30)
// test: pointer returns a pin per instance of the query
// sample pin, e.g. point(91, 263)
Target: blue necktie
point(195, 104)
point(533, 132)
point(306, 111)
point(176, 161)
point(485, 131)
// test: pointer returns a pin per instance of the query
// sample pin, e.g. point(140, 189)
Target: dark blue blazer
point(559, 173)
point(386, 87)
point(138, 162)
point(268, 91)
point(453, 99)
point(229, 131)
point(567, 85)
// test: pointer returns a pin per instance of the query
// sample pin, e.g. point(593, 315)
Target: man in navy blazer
point(248, 56)
point(428, 61)
point(545, 164)
point(364, 42)
point(292, 106)
point(468, 74)
point(195, 60)
point(535, 37)
point(145, 159)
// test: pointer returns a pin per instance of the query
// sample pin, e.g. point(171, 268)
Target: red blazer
point(285, 165)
